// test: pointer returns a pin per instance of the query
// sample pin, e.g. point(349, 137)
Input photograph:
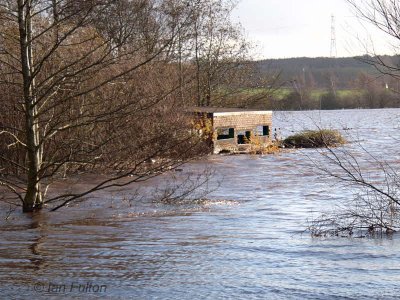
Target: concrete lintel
point(242, 113)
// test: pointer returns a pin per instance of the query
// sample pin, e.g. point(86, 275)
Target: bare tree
point(374, 181)
point(375, 185)
point(385, 16)
point(220, 54)
point(92, 87)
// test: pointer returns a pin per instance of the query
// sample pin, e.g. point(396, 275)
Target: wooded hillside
point(318, 71)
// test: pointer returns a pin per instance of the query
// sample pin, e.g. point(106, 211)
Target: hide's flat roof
point(225, 110)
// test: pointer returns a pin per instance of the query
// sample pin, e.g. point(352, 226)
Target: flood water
point(247, 242)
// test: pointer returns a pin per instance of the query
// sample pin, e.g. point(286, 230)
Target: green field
point(283, 92)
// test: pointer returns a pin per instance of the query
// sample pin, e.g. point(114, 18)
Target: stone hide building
point(234, 127)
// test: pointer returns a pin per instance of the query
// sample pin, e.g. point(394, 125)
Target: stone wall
point(242, 120)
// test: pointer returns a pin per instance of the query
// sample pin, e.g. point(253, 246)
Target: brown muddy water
point(246, 242)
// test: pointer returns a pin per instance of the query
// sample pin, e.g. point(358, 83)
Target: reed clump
point(259, 147)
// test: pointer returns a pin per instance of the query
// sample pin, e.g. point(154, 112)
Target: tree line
point(333, 83)
point(366, 91)
point(319, 70)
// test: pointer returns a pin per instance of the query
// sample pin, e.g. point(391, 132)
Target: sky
point(297, 28)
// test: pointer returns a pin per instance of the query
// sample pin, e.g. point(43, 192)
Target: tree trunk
point(196, 41)
point(55, 20)
point(33, 197)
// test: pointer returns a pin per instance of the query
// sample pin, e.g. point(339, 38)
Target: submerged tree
point(375, 184)
point(374, 180)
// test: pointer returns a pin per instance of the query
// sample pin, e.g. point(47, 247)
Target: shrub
point(315, 139)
